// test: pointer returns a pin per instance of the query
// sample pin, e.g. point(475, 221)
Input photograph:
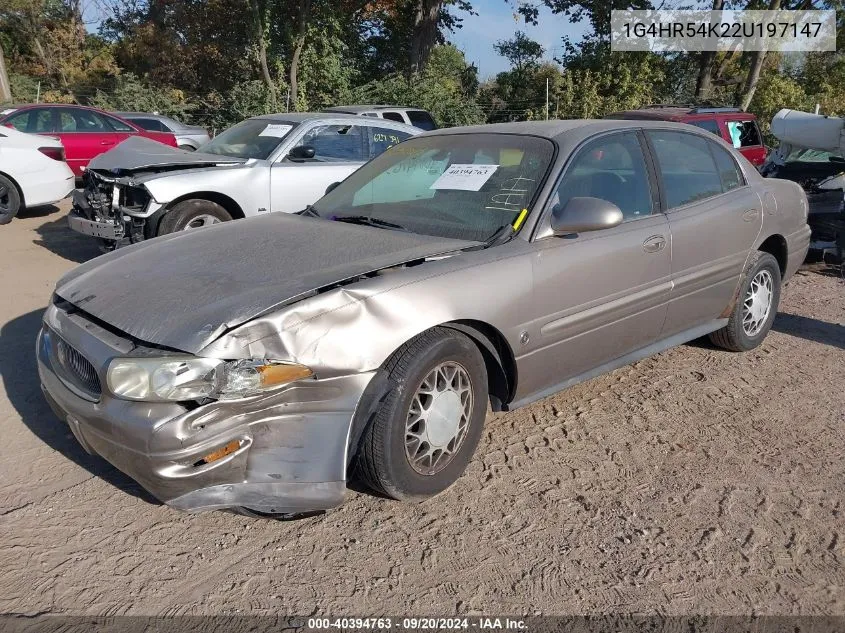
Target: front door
point(715, 218)
point(296, 182)
point(602, 294)
point(85, 134)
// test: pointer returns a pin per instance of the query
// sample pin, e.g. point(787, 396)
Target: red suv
point(737, 127)
point(85, 132)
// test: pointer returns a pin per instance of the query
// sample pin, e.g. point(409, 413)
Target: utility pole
point(547, 98)
point(5, 88)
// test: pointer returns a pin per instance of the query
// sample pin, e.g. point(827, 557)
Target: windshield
point(253, 138)
point(812, 156)
point(462, 186)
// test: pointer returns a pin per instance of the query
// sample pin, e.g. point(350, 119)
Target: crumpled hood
point(137, 153)
point(185, 289)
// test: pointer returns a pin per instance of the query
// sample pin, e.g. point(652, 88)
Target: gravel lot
point(698, 481)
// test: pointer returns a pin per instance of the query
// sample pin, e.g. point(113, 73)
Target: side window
point(728, 169)
point(382, 138)
point(708, 124)
point(333, 143)
point(37, 121)
point(744, 133)
point(421, 119)
point(117, 125)
point(151, 125)
point(73, 120)
point(687, 167)
point(611, 168)
point(393, 116)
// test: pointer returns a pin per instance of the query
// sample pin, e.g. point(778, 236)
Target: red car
point(85, 132)
point(735, 126)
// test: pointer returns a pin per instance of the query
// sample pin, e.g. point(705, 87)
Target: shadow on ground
point(20, 380)
point(810, 329)
point(57, 237)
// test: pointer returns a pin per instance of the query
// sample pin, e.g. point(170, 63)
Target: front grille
point(77, 370)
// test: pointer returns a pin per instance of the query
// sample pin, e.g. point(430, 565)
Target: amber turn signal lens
point(281, 374)
point(220, 453)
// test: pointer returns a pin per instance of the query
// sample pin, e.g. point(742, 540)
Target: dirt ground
point(697, 481)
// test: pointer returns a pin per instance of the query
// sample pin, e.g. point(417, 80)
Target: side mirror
point(580, 215)
point(332, 187)
point(302, 152)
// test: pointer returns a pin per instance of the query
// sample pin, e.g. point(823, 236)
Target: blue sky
point(495, 21)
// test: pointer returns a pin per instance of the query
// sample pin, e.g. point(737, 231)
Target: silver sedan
point(261, 365)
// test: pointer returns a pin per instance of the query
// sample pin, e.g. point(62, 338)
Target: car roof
point(146, 115)
point(295, 118)
point(555, 128)
point(357, 109)
point(676, 112)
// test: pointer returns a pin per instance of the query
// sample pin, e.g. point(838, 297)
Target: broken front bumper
point(292, 443)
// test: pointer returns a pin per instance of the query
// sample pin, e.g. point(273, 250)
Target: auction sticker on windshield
point(277, 130)
point(466, 177)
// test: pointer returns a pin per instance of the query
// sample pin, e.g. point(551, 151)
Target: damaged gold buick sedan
point(260, 365)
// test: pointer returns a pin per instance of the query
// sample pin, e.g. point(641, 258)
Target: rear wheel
point(428, 425)
point(192, 214)
point(10, 200)
point(756, 307)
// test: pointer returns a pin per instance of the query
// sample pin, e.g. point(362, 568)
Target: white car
point(33, 172)
point(275, 162)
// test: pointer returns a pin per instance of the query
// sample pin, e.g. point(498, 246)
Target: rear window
point(150, 125)
point(708, 124)
point(421, 119)
point(393, 116)
point(744, 133)
point(687, 167)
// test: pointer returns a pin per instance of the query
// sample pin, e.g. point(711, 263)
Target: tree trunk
point(5, 88)
point(425, 33)
point(299, 44)
point(258, 8)
point(704, 83)
point(757, 60)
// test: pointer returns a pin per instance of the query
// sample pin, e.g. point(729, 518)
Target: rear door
point(714, 217)
point(339, 149)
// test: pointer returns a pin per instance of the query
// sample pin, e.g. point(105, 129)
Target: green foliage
point(442, 89)
point(130, 94)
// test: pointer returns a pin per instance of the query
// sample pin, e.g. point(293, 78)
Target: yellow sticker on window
point(520, 219)
point(510, 157)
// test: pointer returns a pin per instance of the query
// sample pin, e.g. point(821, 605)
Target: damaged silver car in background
point(278, 162)
point(260, 369)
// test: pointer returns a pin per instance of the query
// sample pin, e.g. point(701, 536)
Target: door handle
point(749, 214)
point(654, 244)
point(106, 142)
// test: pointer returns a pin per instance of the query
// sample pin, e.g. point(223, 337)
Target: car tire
point(10, 200)
point(188, 148)
point(192, 214)
point(429, 422)
point(755, 308)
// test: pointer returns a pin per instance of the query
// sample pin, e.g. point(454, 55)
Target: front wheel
point(10, 200)
point(192, 214)
point(429, 423)
point(756, 306)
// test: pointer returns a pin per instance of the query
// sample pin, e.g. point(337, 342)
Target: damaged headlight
point(178, 378)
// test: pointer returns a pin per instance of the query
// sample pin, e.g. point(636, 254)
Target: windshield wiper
point(367, 220)
point(502, 235)
point(310, 211)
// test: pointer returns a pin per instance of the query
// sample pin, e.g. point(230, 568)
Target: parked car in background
point(85, 132)
point(33, 172)
point(735, 126)
point(411, 116)
point(188, 137)
point(262, 367)
point(812, 153)
point(279, 162)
